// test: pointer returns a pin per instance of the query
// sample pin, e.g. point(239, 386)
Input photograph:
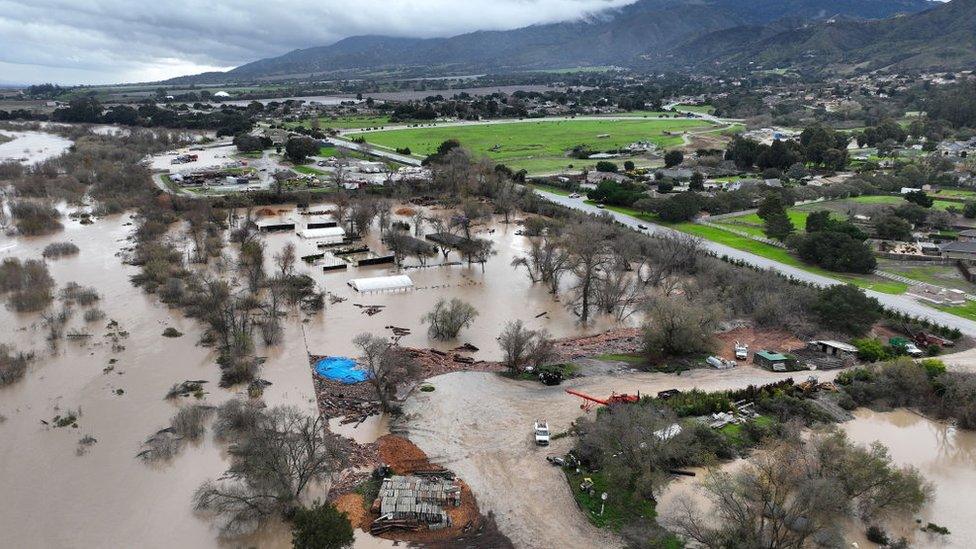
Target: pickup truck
point(541, 429)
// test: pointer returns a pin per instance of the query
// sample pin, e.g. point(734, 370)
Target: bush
point(79, 294)
point(321, 527)
point(34, 218)
point(29, 283)
point(12, 366)
point(172, 332)
point(57, 250)
point(876, 535)
point(871, 350)
point(606, 166)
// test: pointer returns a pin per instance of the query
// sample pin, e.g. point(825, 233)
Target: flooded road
point(109, 498)
point(30, 147)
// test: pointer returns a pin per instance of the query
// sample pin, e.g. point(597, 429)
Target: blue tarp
point(341, 369)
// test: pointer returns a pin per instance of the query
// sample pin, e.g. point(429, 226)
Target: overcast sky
point(110, 41)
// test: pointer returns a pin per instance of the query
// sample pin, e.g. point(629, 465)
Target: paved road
point(901, 303)
point(371, 149)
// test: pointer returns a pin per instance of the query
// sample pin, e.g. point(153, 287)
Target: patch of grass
point(631, 358)
point(308, 170)
point(965, 311)
point(620, 507)
point(538, 146)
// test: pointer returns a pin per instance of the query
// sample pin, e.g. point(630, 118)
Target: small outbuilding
point(776, 362)
point(833, 348)
point(381, 283)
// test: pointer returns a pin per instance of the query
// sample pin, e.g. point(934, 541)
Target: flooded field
point(106, 497)
point(30, 147)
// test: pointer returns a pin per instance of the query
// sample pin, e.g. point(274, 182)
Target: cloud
point(99, 41)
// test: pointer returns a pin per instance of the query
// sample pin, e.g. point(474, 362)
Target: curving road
point(901, 303)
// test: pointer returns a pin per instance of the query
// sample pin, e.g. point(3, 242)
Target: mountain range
point(659, 34)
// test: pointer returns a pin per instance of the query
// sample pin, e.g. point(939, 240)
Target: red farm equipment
point(590, 402)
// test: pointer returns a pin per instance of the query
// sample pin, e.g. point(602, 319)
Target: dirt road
point(479, 425)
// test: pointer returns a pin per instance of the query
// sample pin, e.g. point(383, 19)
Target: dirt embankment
point(756, 339)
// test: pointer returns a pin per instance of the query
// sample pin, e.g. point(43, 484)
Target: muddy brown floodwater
point(31, 147)
point(109, 498)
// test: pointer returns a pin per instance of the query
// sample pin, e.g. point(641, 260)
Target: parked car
point(642, 227)
point(574, 195)
point(601, 206)
point(541, 429)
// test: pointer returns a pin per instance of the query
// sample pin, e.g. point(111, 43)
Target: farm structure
point(776, 362)
point(417, 499)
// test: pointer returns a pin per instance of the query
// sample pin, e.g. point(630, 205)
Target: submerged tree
point(387, 365)
point(448, 318)
point(272, 467)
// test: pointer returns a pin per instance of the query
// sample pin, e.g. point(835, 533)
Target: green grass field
point(898, 201)
point(539, 146)
point(707, 109)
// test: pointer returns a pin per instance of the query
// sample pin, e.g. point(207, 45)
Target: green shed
point(777, 362)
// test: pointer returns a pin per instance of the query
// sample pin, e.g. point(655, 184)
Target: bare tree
point(448, 318)
point(361, 215)
point(587, 248)
point(792, 493)
point(618, 292)
point(678, 326)
point(387, 364)
point(516, 343)
point(272, 467)
point(285, 260)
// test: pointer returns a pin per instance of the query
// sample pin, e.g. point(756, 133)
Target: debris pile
point(622, 341)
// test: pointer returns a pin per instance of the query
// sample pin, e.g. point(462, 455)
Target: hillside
point(943, 37)
point(620, 37)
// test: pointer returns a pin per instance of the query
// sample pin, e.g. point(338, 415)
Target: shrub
point(34, 218)
point(321, 527)
point(79, 294)
point(56, 250)
point(12, 366)
point(172, 332)
point(871, 350)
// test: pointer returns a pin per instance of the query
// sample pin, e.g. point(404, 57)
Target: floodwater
point(30, 147)
point(109, 498)
point(946, 457)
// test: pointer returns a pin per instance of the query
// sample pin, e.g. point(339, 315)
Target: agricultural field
point(540, 146)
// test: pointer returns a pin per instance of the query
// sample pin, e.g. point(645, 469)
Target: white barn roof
point(337, 233)
point(381, 283)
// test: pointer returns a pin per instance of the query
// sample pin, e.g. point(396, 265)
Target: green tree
point(628, 165)
point(321, 527)
point(299, 148)
point(845, 308)
point(892, 227)
point(606, 166)
point(778, 225)
point(697, 182)
point(969, 210)
point(672, 158)
point(772, 203)
point(679, 207)
point(920, 198)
